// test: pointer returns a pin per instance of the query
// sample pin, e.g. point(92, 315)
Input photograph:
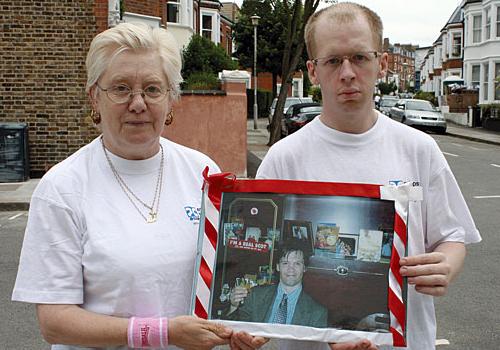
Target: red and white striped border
point(401, 195)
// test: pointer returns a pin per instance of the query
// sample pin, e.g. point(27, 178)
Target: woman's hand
point(189, 332)
point(360, 345)
point(244, 341)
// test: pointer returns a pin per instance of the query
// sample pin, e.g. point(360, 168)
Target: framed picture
point(370, 245)
point(326, 236)
point(344, 299)
point(300, 230)
point(387, 245)
point(347, 245)
point(252, 234)
point(232, 230)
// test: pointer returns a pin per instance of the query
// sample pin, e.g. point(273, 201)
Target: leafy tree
point(316, 94)
point(202, 55)
point(296, 15)
point(387, 88)
point(270, 37)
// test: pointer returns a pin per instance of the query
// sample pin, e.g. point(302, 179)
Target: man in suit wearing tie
point(284, 303)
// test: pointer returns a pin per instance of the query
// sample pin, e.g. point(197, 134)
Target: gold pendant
point(151, 217)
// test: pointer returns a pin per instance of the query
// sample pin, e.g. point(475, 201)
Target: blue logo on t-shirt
point(193, 213)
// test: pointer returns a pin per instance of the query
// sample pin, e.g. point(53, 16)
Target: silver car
point(419, 114)
point(386, 103)
point(288, 102)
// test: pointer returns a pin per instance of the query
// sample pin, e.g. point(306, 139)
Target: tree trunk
point(295, 41)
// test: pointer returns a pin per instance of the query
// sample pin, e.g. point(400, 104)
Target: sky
point(409, 21)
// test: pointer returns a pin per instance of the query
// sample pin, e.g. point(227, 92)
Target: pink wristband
point(143, 333)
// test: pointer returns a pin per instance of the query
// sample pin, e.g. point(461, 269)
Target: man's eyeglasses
point(152, 94)
point(359, 59)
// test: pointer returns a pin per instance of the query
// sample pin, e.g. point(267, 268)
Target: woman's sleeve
point(50, 267)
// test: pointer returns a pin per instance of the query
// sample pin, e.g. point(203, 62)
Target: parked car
point(288, 102)
point(386, 103)
point(419, 114)
point(299, 115)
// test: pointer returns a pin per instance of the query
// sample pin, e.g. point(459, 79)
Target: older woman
point(110, 246)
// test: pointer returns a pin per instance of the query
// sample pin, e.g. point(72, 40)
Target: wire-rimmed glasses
point(121, 93)
point(360, 59)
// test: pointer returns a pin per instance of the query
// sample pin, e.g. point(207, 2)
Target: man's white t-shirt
point(389, 151)
point(86, 244)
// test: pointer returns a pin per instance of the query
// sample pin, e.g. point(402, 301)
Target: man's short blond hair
point(341, 13)
point(136, 37)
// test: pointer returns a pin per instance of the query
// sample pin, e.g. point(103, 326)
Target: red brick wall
point(42, 73)
point(144, 7)
point(219, 123)
point(226, 42)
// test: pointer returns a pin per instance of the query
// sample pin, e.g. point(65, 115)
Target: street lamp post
point(255, 23)
point(405, 65)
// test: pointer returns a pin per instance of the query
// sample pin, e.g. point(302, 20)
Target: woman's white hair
point(134, 36)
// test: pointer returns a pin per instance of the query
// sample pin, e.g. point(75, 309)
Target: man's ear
point(311, 70)
point(384, 65)
point(278, 267)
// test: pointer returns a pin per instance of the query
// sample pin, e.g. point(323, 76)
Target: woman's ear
point(92, 95)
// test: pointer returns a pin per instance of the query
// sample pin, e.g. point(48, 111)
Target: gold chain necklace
point(154, 207)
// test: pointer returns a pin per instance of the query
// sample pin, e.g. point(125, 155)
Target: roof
point(467, 2)
point(456, 16)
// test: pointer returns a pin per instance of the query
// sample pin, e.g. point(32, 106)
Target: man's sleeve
point(448, 217)
point(243, 312)
point(269, 168)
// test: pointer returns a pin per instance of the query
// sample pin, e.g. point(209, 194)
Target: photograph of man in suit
point(284, 303)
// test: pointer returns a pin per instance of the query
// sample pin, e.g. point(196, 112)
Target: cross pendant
point(151, 217)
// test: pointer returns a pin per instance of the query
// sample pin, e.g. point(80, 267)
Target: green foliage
point(387, 88)
point(307, 83)
point(264, 101)
point(429, 96)
point(491, 110)
point(202, 55)
point(270, 37)
point(202, 81)
point(315, 91)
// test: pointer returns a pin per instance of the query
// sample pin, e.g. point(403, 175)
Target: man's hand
point(189, 332)
point(432, 273)
point(244, 341)
point(238, 294)
point(360, 345)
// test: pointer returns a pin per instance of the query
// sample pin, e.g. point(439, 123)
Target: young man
point(284, 303)
point(351, 142)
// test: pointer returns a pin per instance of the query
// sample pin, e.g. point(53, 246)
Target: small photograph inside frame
point(308, 260)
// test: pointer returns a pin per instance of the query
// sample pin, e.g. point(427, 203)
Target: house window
point(475, 76)
point(456, 50)
point(498, 21)
point(295, 88)
point(487, 26)
point(206, 26)
point(476, 29)
point(497, 81)
point(485, 81)
point(173, 11)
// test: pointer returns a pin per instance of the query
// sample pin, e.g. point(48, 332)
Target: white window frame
point(498, 22)
point(487, 23)
point(496, 83)
point(476, 28)
point(454, 45)
point(177, 3)
point(215, 30)
point(475, 83)
point(485, 92)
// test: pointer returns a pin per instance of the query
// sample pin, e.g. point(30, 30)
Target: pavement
point(16, 196)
